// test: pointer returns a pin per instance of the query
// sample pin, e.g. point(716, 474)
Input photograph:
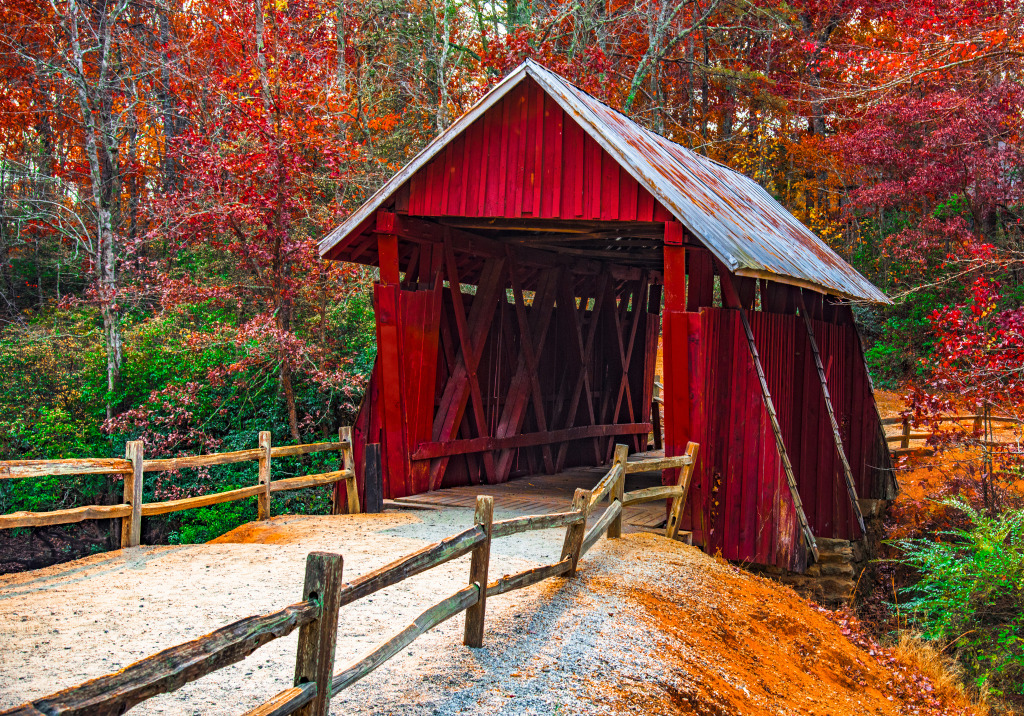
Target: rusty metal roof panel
point(736, 218)
point(731, 214)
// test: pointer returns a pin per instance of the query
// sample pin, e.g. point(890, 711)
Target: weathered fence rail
point(324, 594)
point(981, 425)
point(134, 466)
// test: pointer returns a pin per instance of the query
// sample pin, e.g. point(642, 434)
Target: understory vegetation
point(167, 170)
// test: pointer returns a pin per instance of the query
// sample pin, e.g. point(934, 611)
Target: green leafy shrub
point(970, 595)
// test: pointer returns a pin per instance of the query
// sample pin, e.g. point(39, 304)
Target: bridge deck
point(540, 494)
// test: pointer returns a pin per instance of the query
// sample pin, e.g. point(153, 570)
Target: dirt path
point(652, 626)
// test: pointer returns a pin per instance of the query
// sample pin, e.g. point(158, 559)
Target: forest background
point(166, 169)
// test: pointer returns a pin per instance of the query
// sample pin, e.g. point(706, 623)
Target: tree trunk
point(289, 399)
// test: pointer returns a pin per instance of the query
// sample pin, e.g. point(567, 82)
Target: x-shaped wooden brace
point(525, 384)
point(464, 383)
point(582, 349)
point(625, 353)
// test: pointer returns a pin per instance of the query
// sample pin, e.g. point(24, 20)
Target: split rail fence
point(132, 509)
point(981, 426)
point(324, 593)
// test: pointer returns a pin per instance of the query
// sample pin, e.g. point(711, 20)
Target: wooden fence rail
point(981, 426)
point(324, 594)
point(134, 466)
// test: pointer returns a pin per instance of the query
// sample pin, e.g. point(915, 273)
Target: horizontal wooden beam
point(298, 483)
point(189, 461)
point(516, 525)
point(295, 450)
point(423, 231)
point(652, 494)
point(74, 466)
point(190, 503)
point(63, 517)
point(428, 451)
point(667, 463)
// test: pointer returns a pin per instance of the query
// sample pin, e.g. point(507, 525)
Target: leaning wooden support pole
point(314, 660)
point(349, 463)
point(412, 564)
point(574, 532)
point(773, 417)
point(131, 527)
point(484, 517)
point(263, 500)
point(851, 488)
point(611, 514)
point(678, 503)
point(461, 600)
point(618, 490)
point(287, 702)
point(511, 582)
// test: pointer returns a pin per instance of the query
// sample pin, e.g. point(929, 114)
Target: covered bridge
point(529, 258)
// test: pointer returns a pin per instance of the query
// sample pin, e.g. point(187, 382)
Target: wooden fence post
point(131, 527)
point(263, 499)
point(373, 479)
point(349, 463)
point(618, 490)
point(656, 414)
point(474, 633)
point(685, 476)
point(575, 532)
point(314, 661)
point(905, 442)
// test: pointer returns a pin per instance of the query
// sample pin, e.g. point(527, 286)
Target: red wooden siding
point(525, 157)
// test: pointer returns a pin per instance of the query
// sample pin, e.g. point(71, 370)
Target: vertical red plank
point(387, 252)
point(557, 207)
point(676, 357)
point(538, 145)
point(394, 449)
point(579, 146)
point(644, 205)
point(490, 154)
point(609, 188)
point(728, 328)
point(416, 194)
point(751, 453)
point(402, 199)
point(592, 179)
point(497, 155)
point(516, 162)
point(697, 367)
point(825, 503)
point(450, 191)
point(628, 189)
point(661, 213)
point(733, 437)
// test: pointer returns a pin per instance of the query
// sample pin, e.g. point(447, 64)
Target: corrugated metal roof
point(731, 214)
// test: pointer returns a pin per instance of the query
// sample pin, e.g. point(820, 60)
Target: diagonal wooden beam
point(851, 488)
point(731, 298)
point(464, 384)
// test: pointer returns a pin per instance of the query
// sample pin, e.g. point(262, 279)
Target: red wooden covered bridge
point(529, 258)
